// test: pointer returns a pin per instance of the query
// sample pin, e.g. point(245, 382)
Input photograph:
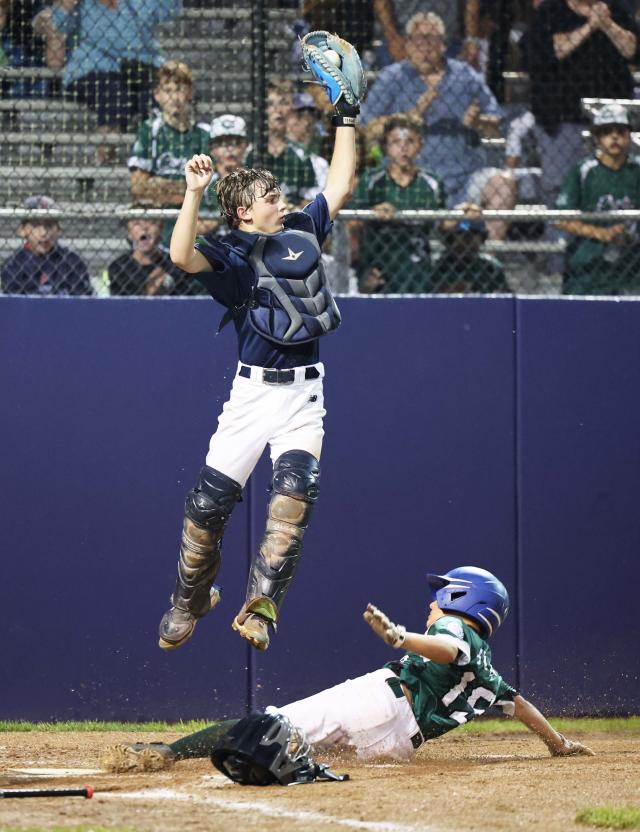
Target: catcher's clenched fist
point(198, 172)
point(392, 634)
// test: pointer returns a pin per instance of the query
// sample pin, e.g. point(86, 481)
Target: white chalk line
point(266, 809)
point(57, 772)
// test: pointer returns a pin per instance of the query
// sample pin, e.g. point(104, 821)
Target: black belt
point(279, 376)
point(396, 686)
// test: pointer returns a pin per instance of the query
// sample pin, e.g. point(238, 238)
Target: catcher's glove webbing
point(343, 81)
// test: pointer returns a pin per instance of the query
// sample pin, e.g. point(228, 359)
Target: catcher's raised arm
point(335, 64)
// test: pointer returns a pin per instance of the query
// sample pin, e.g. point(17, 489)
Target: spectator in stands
point(462, 267)
point(42, 266)
point(395, 256)
point(24, 45)
point(304, 125)
point(228, 146)
point(578, 49)
point(292, 166)
point(167, 140)
point(604, 256)
point(146, 269)
point(113, 53)
point(456, 107)
point(459, 18)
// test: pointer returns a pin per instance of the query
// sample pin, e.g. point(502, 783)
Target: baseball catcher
point(268, 274)
point(444, 679)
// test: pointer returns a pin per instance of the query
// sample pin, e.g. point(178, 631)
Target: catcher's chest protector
point(292, 302)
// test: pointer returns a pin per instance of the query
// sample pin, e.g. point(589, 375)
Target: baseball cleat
point(253, 620)
point(177, 626)
point(255, 629)
point(137, 756)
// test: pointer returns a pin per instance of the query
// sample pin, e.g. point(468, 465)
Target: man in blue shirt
point(268, 274)
point(455, 105)
point(42, 266)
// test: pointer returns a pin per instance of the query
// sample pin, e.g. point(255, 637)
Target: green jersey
point(161, 150)
point(294, 171)
point(399, 250)
point(591, 186)
point(448, 695)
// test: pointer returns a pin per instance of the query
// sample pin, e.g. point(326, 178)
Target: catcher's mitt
point(335, 64)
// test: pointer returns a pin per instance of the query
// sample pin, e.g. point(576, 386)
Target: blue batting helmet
point(474, 592)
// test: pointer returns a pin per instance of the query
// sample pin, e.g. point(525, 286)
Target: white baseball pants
point(363, 713)
point(284, 416)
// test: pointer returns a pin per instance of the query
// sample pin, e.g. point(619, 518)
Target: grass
point(619, 725)
point(611, 817)
point(186, 727)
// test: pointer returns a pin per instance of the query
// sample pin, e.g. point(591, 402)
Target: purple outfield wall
point(496, 431)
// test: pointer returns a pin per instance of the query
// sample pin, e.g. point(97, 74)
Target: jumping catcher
point(269, 275)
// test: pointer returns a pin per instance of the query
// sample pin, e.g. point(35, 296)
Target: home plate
point(56, 772)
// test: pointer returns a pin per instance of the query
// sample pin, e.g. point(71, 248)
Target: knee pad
point(211, 500)
point(297, 474)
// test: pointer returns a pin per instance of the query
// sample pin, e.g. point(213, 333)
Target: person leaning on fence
point(112, 56)
point(457, 108)
point(146, 269)
point(578, 49)
point(290, 164)
point(395, 256)
point(462, 267)
point(42, 266)
point(604, 257)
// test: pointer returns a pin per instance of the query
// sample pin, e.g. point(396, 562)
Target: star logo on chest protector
point(293, 255)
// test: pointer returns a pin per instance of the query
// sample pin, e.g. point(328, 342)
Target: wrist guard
point(346, 114)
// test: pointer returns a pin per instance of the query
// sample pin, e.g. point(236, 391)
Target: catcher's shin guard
point(295, 491)
point(207, 509)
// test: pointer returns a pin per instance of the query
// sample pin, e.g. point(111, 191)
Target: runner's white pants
point(363, 713)
point(284, 416)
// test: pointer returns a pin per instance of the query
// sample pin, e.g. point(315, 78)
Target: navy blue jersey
point(59, 272)
point(232, 279)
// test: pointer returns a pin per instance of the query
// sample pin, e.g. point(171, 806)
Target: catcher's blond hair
point(241, 188)
point(174, 72)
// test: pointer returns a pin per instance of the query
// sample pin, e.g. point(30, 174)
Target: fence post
point(258, 80)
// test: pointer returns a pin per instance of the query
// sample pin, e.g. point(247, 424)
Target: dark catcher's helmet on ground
point(265, 749)
point(474, 592)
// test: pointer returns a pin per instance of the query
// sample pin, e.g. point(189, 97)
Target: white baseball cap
point(611, 114)
point(228, 125)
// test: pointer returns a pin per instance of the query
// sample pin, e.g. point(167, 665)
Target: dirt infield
point(458, 782)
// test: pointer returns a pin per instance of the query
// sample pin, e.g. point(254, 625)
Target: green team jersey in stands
point(471, 273)
point(161, 150)
point(400, 251)
point(591, 186)
point(448, 695)
point(294, 171)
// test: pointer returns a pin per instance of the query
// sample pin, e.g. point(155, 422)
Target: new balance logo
point(293, 255)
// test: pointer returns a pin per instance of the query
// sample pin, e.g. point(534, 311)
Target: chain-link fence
point(482, 119)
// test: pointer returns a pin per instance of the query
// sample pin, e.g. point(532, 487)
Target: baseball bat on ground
point(87, 791)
